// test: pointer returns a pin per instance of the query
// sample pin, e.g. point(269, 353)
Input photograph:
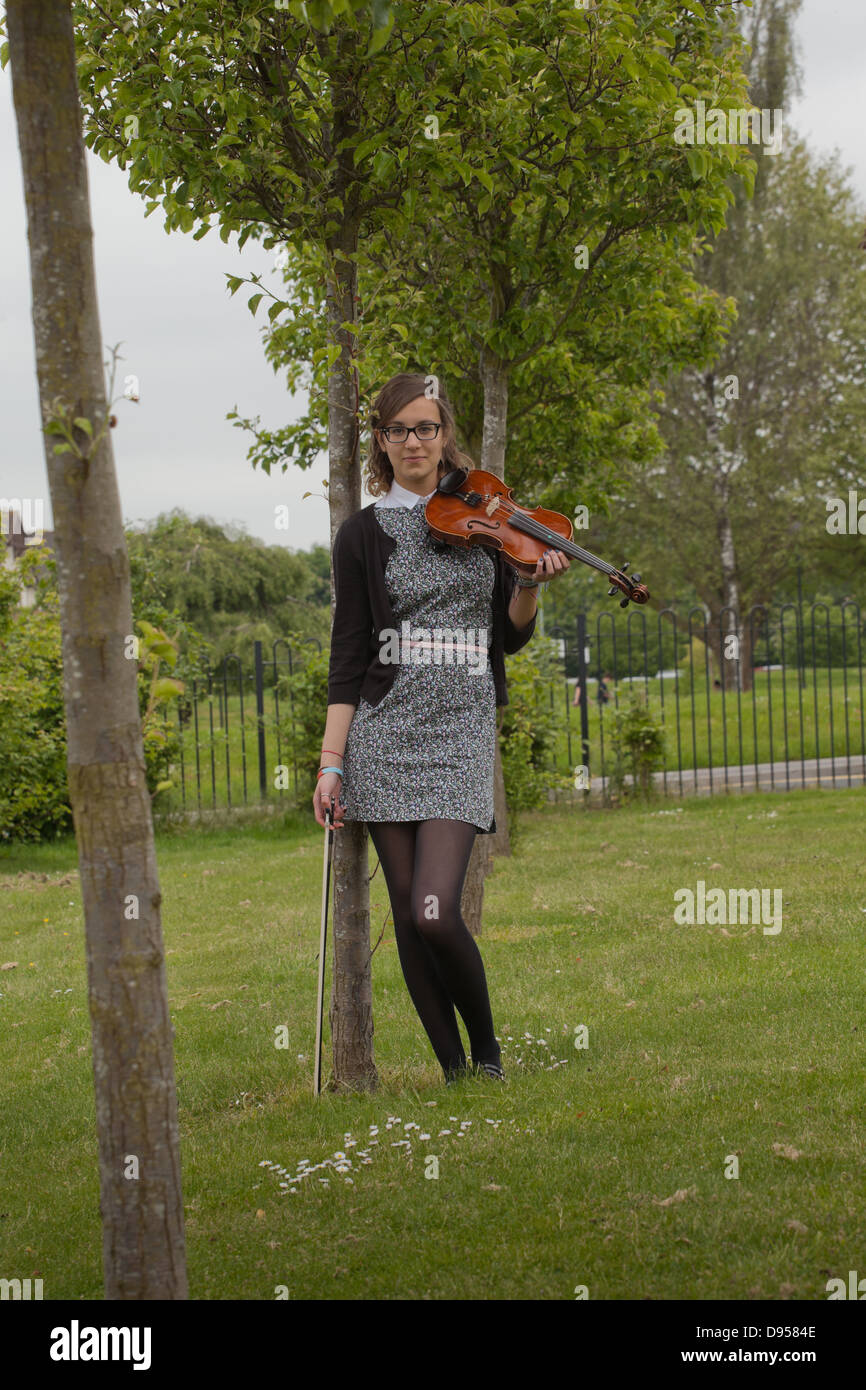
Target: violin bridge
point(492, 506)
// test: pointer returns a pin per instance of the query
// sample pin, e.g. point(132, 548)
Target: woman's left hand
point(551, 565)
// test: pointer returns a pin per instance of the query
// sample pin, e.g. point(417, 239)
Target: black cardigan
point(363, 610)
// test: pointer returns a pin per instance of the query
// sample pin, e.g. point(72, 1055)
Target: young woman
point(409, 743)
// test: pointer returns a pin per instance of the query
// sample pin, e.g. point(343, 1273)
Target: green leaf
point(84, 424)
point(384, 164)
point(408, 203)
point(382, 17)
point(367, 146)
point(465, 170)
point(253, 302)
point(696, 161)
point(380, 36)
point(62, 448)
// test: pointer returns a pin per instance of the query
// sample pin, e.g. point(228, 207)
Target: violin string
point(535, 528)
point(542, 532)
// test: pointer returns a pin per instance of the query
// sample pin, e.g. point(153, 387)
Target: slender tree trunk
point(133, 1066)
point(351, 1011)
point(746, 651)
point(494, 377)
point(495, 381)
point(730, 666)
point(500, 843)
point(730, 655)
point(472, 899)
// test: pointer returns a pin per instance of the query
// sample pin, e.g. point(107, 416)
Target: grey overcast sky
point(197, 352)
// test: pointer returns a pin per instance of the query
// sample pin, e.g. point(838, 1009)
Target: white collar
point(398, 496)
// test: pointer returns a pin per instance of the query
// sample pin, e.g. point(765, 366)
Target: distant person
point(576, 700)
point(602, 694)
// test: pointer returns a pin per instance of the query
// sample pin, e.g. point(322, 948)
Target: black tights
point(424, 863)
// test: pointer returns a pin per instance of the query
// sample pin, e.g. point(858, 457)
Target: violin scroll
point(628, 584)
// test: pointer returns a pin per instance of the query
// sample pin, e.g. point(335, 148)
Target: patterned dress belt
point(448, 645)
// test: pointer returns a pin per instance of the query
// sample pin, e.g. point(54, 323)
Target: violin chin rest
point(450, 482)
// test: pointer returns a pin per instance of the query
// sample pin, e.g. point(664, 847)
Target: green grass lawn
point(602, 1166)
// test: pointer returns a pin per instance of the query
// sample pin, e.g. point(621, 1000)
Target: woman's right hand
point(329, 791)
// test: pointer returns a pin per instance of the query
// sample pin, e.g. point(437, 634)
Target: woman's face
point(416, 461)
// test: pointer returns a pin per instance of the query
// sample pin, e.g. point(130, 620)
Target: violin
point(476, 508)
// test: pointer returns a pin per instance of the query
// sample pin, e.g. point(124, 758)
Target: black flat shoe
point(490, 1069)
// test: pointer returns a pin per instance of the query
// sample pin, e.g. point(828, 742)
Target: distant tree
point(757, 443)
point(757, 440)
point(233, 591)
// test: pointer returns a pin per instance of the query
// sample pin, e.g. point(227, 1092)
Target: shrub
point(303, 699)
point(638, 746)
point(34, 801)
point(34, 787)
point(528, 728)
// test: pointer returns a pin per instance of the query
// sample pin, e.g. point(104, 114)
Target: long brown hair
point(399, 391)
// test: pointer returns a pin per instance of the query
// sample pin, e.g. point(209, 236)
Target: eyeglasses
point(396, 434)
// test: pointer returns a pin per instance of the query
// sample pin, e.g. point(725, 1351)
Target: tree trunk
point(133, 1066)
point(493, 443)
point(746, 652)
point(729, 665)
point(495, 381)
point(472, 899)
point(351, 1011)
point(500, 843)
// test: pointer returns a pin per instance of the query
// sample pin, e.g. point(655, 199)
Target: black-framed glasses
point(396, 434)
